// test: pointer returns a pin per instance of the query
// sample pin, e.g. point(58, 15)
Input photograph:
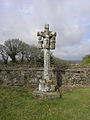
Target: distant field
point(18, 104)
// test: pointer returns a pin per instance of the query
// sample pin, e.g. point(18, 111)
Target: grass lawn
point(18, 104)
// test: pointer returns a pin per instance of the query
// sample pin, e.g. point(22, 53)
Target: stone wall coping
point(20, 69)
point(24, 69)
point(77, 69)
point(41, 69)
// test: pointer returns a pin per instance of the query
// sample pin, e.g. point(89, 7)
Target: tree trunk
point(22, 59)
point(13, 58)
point(5, 60)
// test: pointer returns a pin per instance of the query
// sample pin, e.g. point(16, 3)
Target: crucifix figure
point(46, 41)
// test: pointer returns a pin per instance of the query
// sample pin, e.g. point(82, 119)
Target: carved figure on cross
point(46, 39)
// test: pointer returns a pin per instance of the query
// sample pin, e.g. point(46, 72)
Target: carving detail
point(52, 43)
point(46, 39)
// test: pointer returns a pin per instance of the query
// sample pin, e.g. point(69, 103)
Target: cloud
point(69, 18)
point(74, 52)
point(70, 35)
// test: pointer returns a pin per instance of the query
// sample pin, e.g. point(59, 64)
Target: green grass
point(18, 104)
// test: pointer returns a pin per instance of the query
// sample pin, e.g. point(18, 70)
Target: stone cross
point(46, 41)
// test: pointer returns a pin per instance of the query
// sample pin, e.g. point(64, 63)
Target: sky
point(70, 19)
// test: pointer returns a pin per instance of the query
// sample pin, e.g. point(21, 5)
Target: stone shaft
point(46, 64)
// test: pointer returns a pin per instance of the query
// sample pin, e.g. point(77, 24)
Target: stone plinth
point(44, 95)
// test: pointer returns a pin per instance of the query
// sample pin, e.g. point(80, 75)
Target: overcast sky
point(69, 18)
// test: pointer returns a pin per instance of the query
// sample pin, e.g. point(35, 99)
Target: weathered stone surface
point(28, 77)
point(44, 95)
point(46, 42)
point(76, 76)
point(21, 77)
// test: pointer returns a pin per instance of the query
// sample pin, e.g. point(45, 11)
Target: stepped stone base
point(44, 95)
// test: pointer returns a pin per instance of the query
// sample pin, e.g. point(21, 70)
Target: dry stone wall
point(19, 77)
point(76, 76)
point(29, 77)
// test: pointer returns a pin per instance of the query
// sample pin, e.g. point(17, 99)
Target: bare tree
point(13, 47)
point(3, 53)
point(29, 53)
point(24, 48)
point(33, 54)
